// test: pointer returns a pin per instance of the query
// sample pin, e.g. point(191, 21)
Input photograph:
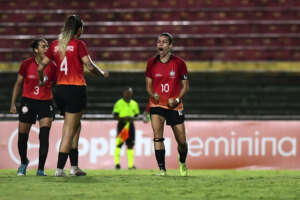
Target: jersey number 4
point(64, 66)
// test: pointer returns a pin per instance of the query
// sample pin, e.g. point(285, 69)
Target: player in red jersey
point(70, 55)
point(166, 84)
point(36, 103)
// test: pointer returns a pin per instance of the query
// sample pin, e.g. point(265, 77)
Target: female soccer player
point(36, 103)
point(166, 84)
point(70, 55)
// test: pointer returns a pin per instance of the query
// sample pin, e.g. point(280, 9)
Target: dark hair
point(35, 43)
point(168, 35)
point(72, 24)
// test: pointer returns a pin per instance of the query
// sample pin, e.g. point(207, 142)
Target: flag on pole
point(123, 134)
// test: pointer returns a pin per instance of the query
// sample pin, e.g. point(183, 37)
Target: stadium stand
point(204, 30)
point(212, 95)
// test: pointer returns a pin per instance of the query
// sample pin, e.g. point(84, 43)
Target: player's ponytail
point(71, 27)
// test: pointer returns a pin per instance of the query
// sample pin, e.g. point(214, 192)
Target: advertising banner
point(212, 145)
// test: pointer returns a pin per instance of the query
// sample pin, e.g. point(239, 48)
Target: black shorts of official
point(70, 98)
point(130, 141)
point(172, 117)
point(30, 110)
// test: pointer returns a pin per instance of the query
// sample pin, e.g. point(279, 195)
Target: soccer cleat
point(60, 173)
point(117, 166)
point(22, 169)
point(76, 171)
point(40, 173)
point(162, 172)
point(183, 169)
point(133, 167)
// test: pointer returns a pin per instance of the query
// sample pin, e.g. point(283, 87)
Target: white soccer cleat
point(76, 171)
point(60, 173)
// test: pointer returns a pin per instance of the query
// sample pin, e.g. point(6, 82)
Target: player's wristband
point(177, 100)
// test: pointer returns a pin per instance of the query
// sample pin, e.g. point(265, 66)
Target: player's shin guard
point(182, 150)
point(62, 159)
point(44, 146)
point(22, 147)
point(130, 157)
point(74, 157)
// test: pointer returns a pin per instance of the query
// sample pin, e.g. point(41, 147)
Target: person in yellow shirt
point(125, 110)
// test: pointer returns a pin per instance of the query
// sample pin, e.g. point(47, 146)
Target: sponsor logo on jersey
point(31, 76)
point(69, 48)
point(158, 75)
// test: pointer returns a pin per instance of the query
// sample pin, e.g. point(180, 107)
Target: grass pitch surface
point(145, 184)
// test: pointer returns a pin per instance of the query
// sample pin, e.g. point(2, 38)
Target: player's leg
point(73, 155)
point(27, 117)
point(23, 135)
point(45, 124)
point(179, 132)
point(119, 144)
point(71, 123)
point(157, 122)
point(130, 147)
point(46, 114)
point(73, 101)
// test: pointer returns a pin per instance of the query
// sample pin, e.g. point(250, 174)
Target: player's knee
point(158, 139)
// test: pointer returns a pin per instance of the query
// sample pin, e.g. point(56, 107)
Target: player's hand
point(106, 74)
point(13, 109)
point(156, 98)
point(172, 103)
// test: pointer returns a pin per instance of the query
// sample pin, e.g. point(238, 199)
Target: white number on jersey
point(165, 88)
point(36, 90)
point(64, 66)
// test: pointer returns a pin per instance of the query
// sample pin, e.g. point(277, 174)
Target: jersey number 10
point(165, 88)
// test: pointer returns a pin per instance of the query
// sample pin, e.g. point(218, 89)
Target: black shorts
point(172, 117)
point(30, 110)
point(70, 98)
point(131, 138)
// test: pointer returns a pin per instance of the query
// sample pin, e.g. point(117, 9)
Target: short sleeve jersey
point(166, 79)
point(70, 67)
point(31, 87)
point(125, 109)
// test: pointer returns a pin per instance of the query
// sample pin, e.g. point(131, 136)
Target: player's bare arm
point(92, 67)
point(42, 66)
point(16, 90)
point(155, 96)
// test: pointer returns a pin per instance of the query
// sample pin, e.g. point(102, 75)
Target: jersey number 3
point(64, 66)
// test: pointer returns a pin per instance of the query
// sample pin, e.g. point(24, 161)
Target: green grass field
point(144, 184)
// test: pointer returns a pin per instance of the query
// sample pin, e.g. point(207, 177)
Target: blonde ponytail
point(63, 41)
point(71, 27)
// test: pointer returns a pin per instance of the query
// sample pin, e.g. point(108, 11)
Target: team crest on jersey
point(24, 109)
point(172, 73)
point(46, 78)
